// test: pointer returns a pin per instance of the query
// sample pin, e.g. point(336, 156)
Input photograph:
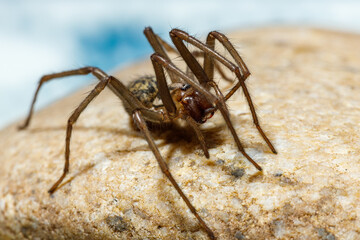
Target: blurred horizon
point(42, 36)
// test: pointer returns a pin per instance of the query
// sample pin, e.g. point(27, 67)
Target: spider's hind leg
point(81, 71)
point(104, 80)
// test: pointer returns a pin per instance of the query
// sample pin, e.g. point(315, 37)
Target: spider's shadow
point(184, 139)
point(88, 167)
point(129, 133)
point(179, 138)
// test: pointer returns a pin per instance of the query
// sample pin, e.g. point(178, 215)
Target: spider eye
point(185, 87)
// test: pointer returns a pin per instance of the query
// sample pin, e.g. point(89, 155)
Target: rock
point(305, 84)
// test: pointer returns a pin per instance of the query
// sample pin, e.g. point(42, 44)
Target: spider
point(188, 97)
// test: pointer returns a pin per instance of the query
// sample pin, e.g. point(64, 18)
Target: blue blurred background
point(46, 36)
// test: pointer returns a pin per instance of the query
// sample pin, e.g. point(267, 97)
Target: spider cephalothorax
point(191, 103)
point(189, 97)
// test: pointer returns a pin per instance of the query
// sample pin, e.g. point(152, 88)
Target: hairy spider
point(184, 98)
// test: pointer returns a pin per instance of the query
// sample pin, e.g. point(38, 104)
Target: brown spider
point(185, 98)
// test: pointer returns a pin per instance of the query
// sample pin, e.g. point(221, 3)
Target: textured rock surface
point(306, 86)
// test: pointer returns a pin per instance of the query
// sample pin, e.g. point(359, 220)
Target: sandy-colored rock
point(306, 86)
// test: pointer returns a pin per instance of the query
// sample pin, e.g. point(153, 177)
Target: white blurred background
point(45, 36)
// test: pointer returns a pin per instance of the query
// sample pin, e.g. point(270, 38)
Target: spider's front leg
point(218, 101)
point(240, 69)
point(73, 118)
point(141, 124)
point(159, 45)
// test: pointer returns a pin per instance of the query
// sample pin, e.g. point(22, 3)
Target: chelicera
point(192, 96)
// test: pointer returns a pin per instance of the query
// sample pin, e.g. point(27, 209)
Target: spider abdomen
point(145, 89)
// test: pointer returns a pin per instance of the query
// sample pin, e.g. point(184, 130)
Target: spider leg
point(169, 48)
point(130, 102)
point(168, 65)
point(241, 71)
point(215, 100)
point(119, 89)
point(208, 60)
point(199, 135)
point(215, 64)
point(169, 103)
point(157, 43)
point(104, 80)
point(158, 46)
point(140, 122)
point(81, 71)
point(163, 88)
point(99, 87)
point(242, 75)
point(196, 68)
